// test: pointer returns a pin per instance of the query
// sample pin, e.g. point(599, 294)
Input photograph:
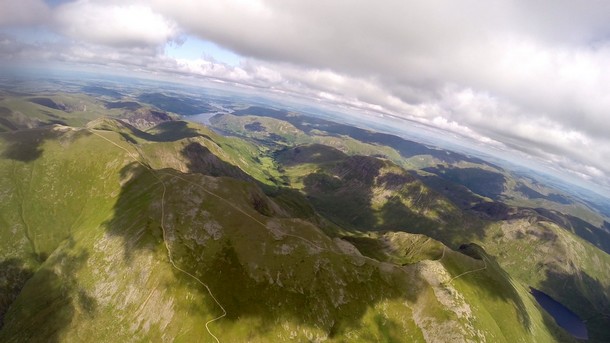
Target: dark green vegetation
point(107, 227)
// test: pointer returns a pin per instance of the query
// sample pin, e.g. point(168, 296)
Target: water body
point(203, 118)
point(562, 315)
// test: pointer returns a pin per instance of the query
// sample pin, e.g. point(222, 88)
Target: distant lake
point(203, 118)
point(562, 315)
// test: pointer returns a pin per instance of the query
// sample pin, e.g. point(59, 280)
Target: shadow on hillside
point(136, 213)
point(25, 145)
point(15, 123)
point(533, 194)
point(49, 103)
point(13, 276)
point(480, 181)
point(370, 247)
point(168, 132)
point(458, 194)
point(127, 105)
point(50, 299)
point(499, 211)
point(313, 153)
point(397, 216)
point(202, 161)
point(594, 235)
point(5, 115)
point(344, 193)
point(583, 295)
point(346, 203)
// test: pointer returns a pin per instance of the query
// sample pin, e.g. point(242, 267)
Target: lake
point(203, 118)
point(562, 315)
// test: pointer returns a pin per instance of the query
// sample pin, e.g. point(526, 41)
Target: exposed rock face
point(145, 118)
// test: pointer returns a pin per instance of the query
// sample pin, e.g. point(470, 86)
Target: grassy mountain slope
point(369, 193)
point(274, 132)
point(558, 262)
point(118, 234)
point(366, 193)
point(75, 109)
point(464, 179)
point(479, 190)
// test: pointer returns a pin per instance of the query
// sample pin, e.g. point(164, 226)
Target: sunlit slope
point(25, 110)
point(54, 182)
point(277, 132)
point(125, 241)
point(467, 195)
point(544, 255)
point(501, 304)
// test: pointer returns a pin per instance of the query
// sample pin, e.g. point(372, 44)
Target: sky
point(526, 76)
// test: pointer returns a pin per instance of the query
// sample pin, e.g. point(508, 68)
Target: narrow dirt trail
point(470, 271)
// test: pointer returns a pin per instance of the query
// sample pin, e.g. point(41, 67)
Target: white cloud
point(115, 24)
point(23, 12)
point(531, 75)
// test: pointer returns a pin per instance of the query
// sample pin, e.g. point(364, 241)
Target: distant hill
point(175, 104)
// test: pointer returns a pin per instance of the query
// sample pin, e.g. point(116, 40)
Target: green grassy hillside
point(544, 255)
point(474, 200)
point(21, 111)
point(369, 193)
point(169, 234)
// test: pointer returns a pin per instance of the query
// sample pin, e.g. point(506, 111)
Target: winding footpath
point(470, 271)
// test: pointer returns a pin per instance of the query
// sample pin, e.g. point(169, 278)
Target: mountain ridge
point(141, 190)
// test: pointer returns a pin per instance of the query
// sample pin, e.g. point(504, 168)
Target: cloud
point(414, 49)
point(115, 24)
point(527, 75)
point(23, 12)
